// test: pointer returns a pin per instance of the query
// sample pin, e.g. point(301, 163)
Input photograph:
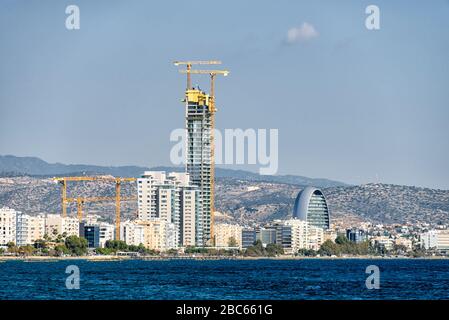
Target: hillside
point(247, 202)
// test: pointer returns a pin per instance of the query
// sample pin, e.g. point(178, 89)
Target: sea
point(304, 279)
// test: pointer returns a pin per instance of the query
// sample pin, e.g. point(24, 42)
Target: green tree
point(26, 250)
point(61, 249)
point(329, 248)
point(117, 245)
point(40, 244)
point(12, 247)
point(232, 242)
point(273, 250)
point(341, 240)
point(76, 245)
point(306, 253)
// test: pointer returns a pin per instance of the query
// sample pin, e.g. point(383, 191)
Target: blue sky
point(350, 104)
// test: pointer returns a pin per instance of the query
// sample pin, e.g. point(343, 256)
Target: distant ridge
point(16, 166)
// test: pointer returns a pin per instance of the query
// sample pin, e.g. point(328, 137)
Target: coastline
point(160, 258)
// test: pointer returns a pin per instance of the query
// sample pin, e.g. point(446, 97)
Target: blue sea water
point(226, 279)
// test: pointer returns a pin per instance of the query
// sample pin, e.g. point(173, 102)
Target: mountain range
point(14, 166)
point(241, 197)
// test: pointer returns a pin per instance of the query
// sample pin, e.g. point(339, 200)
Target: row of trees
point(342, 246)
point(71, 245)
point(113, 246)
point(258, 250)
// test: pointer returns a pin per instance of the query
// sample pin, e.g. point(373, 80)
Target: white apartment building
point(315, 238)
point(224, 232)
point(171, 198)
point(294, 235)
point(159, 234)
point(435, 239)
point(7, 225)
point(384, 241)
point(106, 233)
point(55, 224)
point(132, 233)
point(29, 229)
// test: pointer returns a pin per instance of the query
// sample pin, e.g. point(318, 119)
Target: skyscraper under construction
point(199, 162)
point(200, 125)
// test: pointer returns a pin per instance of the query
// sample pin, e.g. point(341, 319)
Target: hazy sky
point(350, 104)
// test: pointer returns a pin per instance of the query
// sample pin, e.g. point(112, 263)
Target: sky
point(350, 104)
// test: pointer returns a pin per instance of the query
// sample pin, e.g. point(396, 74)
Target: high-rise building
point(7, 225)
point(311, 206)
point(172, 198)
point(199, 162)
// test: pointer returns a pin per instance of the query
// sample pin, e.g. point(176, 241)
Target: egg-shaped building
point(311, 206)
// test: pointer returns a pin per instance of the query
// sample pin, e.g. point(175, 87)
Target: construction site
point(200, 109)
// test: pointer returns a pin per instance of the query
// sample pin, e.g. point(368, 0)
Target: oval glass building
point(311, 206)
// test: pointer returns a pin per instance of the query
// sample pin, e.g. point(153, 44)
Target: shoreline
point(161, 258)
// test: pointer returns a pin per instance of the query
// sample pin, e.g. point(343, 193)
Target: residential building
point(29, 228)
point(132, 233)
point(248, 237)
point(383, 241)
point(55, 224)
point(159, 234)
point(223, 233)
point(291, 234)
point(7, 225)
point(435, 239)
point(172, 198)
point(315, 237)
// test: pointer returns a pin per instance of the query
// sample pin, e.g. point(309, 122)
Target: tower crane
point(118, 181)
point(212, 109)
point(189, 64)
point(80, 201)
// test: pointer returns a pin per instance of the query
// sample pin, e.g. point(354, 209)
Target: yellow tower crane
point(189, 64)
point(212, 109)
point(118, 181)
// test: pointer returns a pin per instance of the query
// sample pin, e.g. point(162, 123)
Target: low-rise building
point(435, 239)
point(383, 241)
point(55, 224)
point(266, 236)
point(224, 233)
point(29, 228)
point(248, 237)
point(315, 238)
